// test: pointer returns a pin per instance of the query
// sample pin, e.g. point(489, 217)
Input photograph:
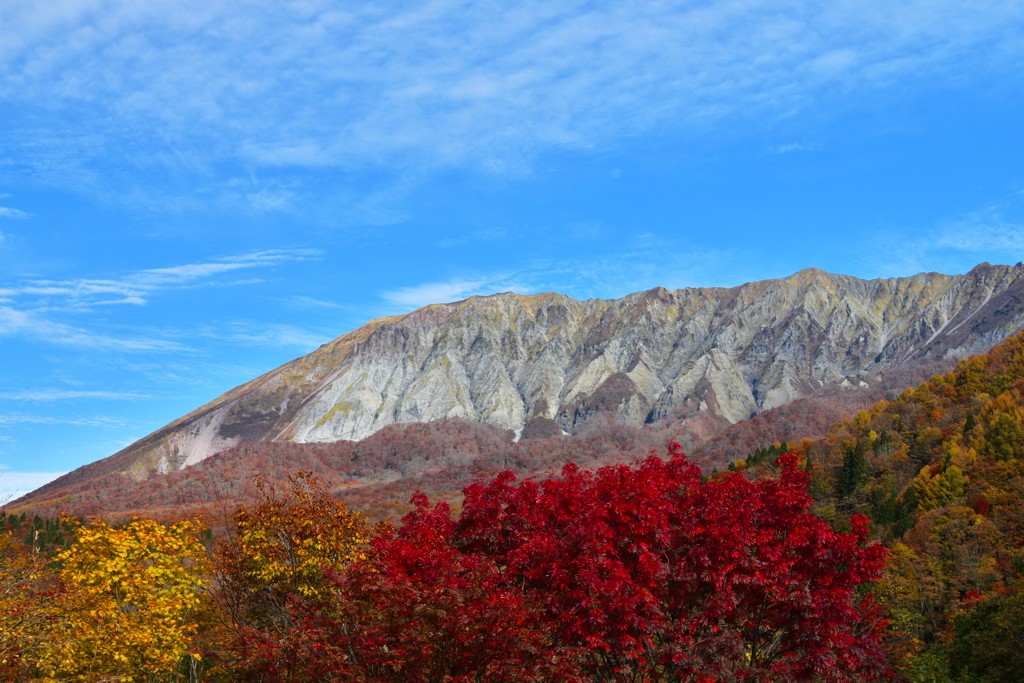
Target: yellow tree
point(129, 606)
point(22, 581)
point(288, 542)
point(282, 549)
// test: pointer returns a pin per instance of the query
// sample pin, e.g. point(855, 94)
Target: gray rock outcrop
point(551, 361)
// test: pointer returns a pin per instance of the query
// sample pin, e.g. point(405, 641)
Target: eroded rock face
point(555, 363)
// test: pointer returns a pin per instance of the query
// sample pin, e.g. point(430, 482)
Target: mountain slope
point(547, 364)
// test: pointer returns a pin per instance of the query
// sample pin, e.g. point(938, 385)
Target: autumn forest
point(890, 549)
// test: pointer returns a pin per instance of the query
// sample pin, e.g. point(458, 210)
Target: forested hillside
point(940, 471)
point(379, 474)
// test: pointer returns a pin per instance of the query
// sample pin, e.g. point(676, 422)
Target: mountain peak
point(507, 359)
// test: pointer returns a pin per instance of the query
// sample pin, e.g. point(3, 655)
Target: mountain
point(547, 365)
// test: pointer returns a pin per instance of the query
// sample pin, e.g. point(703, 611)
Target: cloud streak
point(653, 262)
point(274, 335)
point(135, 288)
point(48, 395)
point(995, 231)
point(36, 326)
point(33, 308)
point(16, 419)
point(16, 214)
point(427, 293)
point(448, 83)
point(983, 233)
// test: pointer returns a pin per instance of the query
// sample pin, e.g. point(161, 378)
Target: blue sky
point(192, 193)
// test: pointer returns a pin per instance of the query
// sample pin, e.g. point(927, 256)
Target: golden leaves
point(289, 541)
point(129, 602)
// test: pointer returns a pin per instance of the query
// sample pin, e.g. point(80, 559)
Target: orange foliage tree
point(284, 547)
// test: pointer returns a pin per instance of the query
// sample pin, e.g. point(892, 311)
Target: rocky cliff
point(545, 363)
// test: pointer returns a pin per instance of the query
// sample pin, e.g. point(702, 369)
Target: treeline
point(644, 573)
point(377, 475)
point(940, 471)
point(42, 534)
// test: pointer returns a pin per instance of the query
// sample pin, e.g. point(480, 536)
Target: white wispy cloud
point(651, 261)
point(34, 308)
point(190, 272)
point(792, 147)
point(954, 245)
point(485, 235)
point(308, 86)
point(995, 230)
point(37, 326)
point(274, 335)
point(14, 484)
point(46, 395)
point(416, 296)
point(136, 287)
point(313, 302)
point(980, 236)
point(20, 419)
point(8, 212)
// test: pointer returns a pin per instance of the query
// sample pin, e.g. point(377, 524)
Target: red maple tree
point(644, 573)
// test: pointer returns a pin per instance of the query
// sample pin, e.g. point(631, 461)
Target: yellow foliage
point(287, 543)
point(129, 604)
point(934, 490)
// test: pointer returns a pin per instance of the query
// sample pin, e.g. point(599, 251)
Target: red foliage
point(981, 505)
point(653, 571)
point(627, 573)
point(425, 611)
point(417, 610)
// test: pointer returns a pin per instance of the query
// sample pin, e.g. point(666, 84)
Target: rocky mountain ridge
point(546, 364)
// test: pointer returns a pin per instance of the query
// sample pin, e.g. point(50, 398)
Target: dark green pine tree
point(855, 470)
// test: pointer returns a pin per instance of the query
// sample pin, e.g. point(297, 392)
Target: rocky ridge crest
point(546, 364)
